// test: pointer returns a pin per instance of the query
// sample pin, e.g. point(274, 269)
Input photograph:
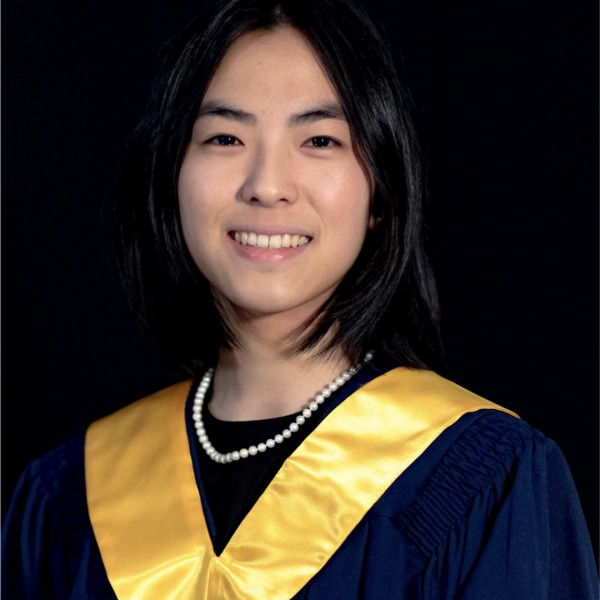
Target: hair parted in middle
point(388, 300)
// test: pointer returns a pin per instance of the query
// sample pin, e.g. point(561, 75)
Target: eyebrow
point(220, 109)
point(331, 110)
point(215, 108)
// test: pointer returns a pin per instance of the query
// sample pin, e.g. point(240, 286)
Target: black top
point(232, 489)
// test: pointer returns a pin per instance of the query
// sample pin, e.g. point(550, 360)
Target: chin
point(270, 306)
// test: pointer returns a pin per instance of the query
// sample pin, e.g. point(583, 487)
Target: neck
point(259, 381)
point(265, 377)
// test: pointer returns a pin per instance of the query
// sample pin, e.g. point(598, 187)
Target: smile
point(249, 238)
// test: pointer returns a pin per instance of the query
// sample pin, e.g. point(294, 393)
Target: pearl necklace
point(293, 427)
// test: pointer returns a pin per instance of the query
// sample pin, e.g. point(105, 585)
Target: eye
point(321, 141)
point(224, 140)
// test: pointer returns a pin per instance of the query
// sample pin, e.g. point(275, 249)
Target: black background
point(508, 109)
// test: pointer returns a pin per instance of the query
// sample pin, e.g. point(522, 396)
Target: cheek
point(346, 199)
point(192, 190)
point(187, 189)
point(199, 189)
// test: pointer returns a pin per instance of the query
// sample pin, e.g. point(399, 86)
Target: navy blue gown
point(489, 510)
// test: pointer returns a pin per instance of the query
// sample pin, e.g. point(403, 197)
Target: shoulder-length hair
point(388, 300)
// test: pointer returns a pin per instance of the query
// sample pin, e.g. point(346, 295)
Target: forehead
point(279, 65)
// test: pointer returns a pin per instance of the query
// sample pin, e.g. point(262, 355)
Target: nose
point(271, 177)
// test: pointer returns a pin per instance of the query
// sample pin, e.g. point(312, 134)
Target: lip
point(268, 229)
point(285, 241)
point(268, 254)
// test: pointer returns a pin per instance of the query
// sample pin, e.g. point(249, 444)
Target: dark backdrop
point(507, 97)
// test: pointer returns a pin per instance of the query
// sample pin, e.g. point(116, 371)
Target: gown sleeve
point(48, 547)
point(500, 519)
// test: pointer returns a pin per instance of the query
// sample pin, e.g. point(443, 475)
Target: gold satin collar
point(146, 512)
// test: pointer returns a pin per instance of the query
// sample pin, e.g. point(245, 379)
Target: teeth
point(270, 241)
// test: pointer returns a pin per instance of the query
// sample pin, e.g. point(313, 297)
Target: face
point(274, 201)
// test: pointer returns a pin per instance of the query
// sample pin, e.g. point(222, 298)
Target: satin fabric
point(147, 516)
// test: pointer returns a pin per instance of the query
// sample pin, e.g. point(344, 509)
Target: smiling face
point(274, 201)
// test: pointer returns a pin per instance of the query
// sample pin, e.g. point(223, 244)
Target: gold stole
point(147, 516)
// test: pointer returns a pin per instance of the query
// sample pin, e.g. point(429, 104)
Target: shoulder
point(48, 507)
point(162, 400)
point(483, 435)
point(421, 390)
point(499, 492)
point(487, 462)
point(152, 415)
point(50, 494)
point(56, 475)
point(48, 546)
point(56, 480)
point(479, 449)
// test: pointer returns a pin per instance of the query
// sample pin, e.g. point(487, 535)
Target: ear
point(373, 221)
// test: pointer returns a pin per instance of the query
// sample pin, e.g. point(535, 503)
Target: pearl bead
point(293, 427)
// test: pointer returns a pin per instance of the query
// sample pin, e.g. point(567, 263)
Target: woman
point(271, 236)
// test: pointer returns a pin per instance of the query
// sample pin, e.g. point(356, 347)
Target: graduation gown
point(410, 488)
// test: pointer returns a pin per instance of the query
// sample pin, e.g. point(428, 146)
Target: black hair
point(388, 300)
